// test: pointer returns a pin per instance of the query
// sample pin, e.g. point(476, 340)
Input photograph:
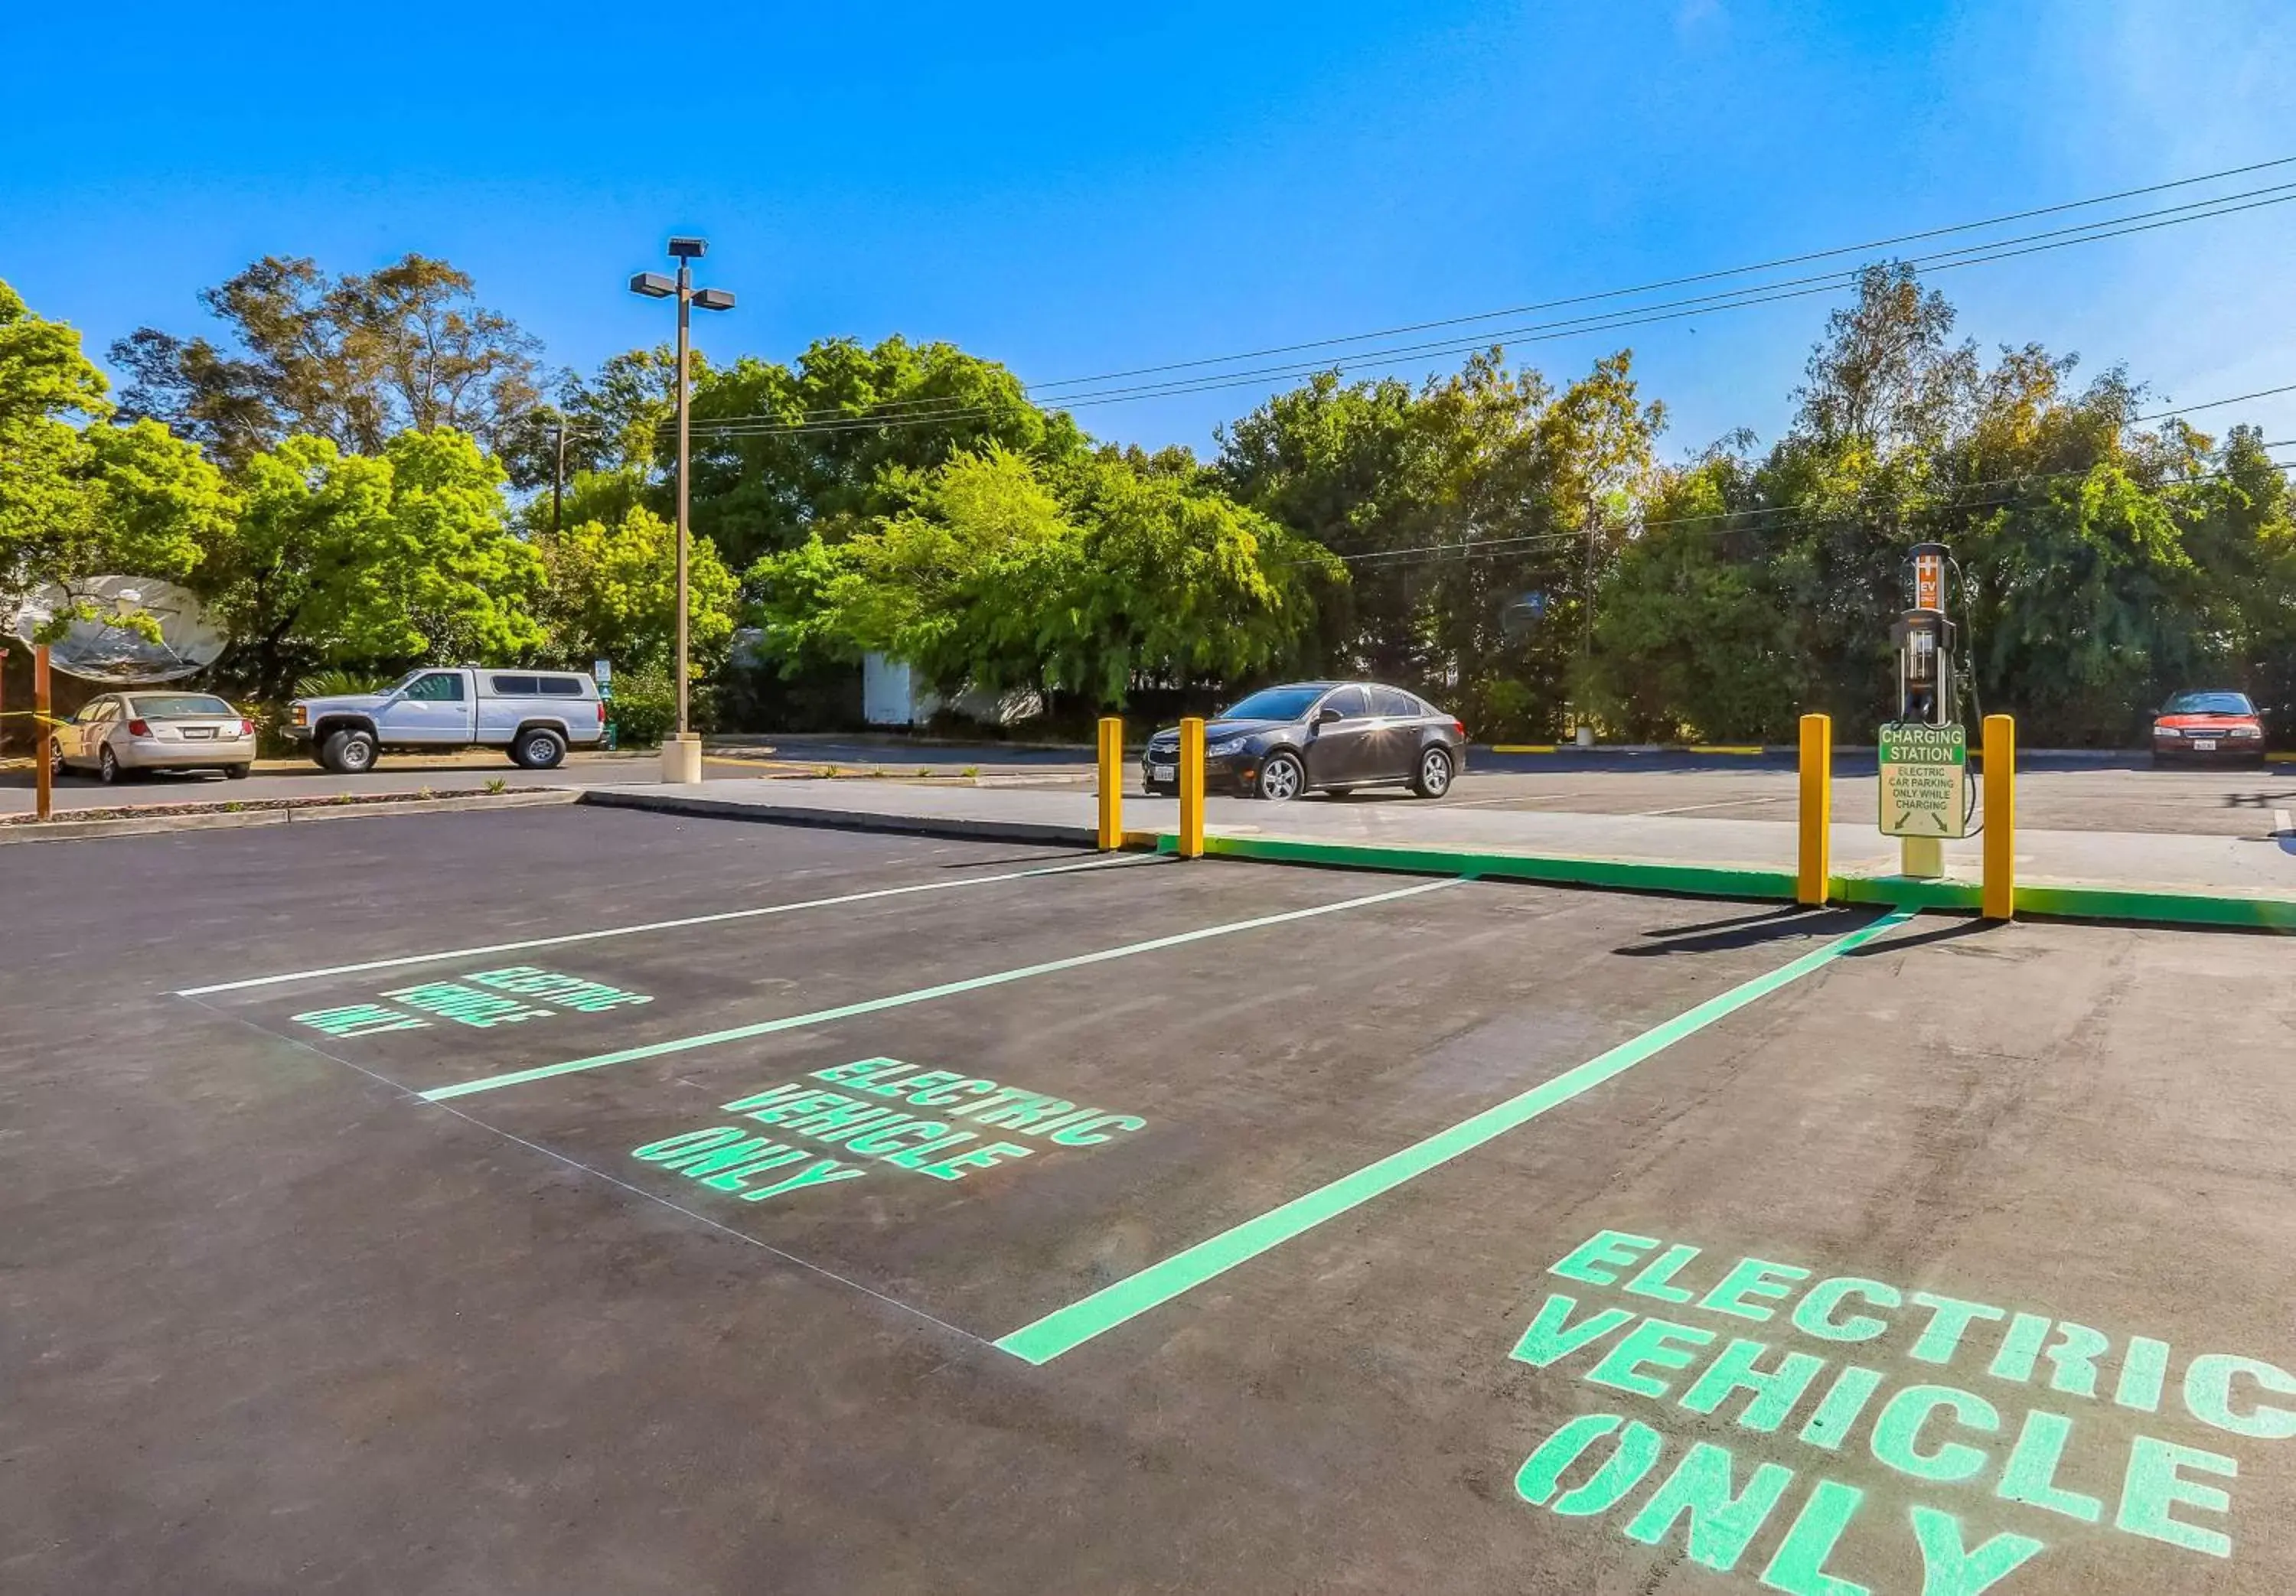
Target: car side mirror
point(1327, 717)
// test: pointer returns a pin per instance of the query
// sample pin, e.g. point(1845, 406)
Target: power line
point(1618, 292)
point(1883, 243)
point(931, 411)
point(2261, 393)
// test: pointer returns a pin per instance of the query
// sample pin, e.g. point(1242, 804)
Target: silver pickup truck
point(534, 716)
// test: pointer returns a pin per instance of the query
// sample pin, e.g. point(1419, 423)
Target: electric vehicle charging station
point(1924, 752)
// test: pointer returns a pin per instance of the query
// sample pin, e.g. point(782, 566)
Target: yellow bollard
point(1112, 783)
point(1816, 862)
point(2000, 817)
point(1191, 788)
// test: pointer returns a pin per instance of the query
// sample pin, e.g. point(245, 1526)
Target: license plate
point(1161, 773)
point(196, 732)
point(2204, 745)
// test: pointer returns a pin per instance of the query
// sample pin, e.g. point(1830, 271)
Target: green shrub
point(338, 683)
point(645, 707)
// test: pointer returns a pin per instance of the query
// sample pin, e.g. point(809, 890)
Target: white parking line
point(1718, 804)
point(877, 1005)
point(2282, 825)
point(488, 949)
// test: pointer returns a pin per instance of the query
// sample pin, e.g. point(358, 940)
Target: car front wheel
point(1281, 778)
point(1432, 780)
point(56, 765)
point(348, 753)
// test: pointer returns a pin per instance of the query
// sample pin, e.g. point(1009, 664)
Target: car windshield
point(175, 706)
point(2209, 703)
point(1274, 703)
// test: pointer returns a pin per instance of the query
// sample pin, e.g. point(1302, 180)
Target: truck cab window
point(440, 687)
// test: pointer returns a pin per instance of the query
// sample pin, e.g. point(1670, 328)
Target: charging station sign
point(1924, 781)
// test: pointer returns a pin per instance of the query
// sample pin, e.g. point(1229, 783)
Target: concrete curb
point(293, 813)
point(2052, 901)
point(2042, 901)
point(847, 819)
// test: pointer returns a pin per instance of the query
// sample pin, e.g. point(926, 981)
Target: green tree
point(825, 446)
point(1081, 579)
point(79, 497)
point(355, 359)
point(609, 592)
point(399, 558)
point(1688, 644)
point(1474, 513)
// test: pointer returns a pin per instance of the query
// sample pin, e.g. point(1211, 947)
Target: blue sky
point(1077, 189)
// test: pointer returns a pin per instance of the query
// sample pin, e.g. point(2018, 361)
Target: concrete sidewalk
point(1724, 857)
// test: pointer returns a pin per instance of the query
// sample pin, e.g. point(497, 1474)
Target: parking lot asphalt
point(301, 779)
point(584, 1199)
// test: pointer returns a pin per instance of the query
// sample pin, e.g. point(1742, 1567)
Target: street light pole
point(684, 307)
point(681, 755)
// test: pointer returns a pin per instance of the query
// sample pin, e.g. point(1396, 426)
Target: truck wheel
point(348, 753)
point(539, 750)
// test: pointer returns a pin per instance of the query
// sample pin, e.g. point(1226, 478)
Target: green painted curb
point(2132, 904)
point(1904, 892)
point(2158, 908)
point(1686, 881)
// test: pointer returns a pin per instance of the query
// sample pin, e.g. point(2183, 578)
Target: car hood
point(2204, 721)
point(353, 702)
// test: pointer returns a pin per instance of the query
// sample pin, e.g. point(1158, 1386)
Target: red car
point(2208, 725)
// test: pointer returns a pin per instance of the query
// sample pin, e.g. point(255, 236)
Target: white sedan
point(125, 732)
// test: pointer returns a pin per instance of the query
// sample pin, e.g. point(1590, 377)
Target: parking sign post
point(1925, 751)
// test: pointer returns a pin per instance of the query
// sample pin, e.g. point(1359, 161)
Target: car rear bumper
point(154, 754)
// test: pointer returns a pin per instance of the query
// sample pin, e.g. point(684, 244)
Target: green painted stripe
point(1065, 1328)
point(632, 1055)
point(651, 926)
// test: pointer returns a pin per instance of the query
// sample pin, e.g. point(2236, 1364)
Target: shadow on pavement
point(1746, 930)
point(1951, 932)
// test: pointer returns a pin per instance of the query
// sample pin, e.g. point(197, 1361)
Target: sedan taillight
point(1460, 726)
point(139, 728)
point(246, 727)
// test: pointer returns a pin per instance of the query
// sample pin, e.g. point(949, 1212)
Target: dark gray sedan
point(1283, 741)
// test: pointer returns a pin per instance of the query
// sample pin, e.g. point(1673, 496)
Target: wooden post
point(44, 782)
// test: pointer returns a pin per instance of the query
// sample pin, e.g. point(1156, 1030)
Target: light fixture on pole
point(681, 754)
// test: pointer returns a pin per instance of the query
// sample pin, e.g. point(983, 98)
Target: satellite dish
point(107, 648)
